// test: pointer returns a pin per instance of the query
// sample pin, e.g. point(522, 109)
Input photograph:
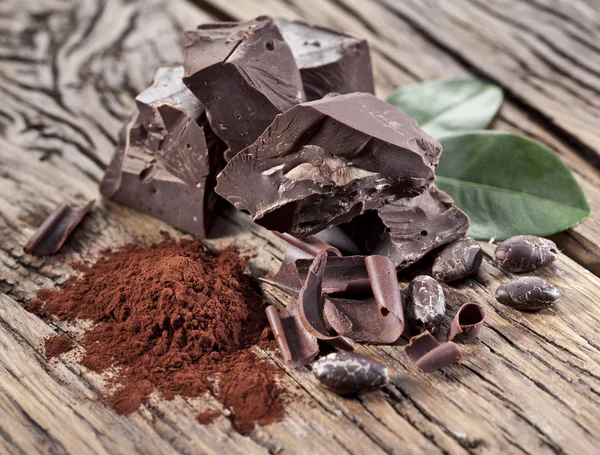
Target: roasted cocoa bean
point(348, 374)
point(425, 304)
point(458, 260)
point(528, 293)
point(524, 253)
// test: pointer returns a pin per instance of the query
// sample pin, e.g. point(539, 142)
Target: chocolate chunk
point(244, 74)
point(442, 356)
point(467, 323)
point(361, 320)
point(298, 347)
point(408, 229)
point(384, 283)
point(425, 304)
point(168, 158)
point(336, 237)
point(457, 261)
point(54, 231)
point(524, 253)
point(329, 61)
point(529, 293)
point(420, 345)
point(311, 245)
point(349, 374)
point(310, 304)
point(324, 162)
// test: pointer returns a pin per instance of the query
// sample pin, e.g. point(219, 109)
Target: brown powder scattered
point(57, 345)
point(207, 417)
point(172, 318)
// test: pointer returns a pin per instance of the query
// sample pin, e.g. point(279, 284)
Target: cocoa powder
point(57, 345)
point(173, 318)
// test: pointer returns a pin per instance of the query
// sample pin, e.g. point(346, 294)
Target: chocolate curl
point(311, 244)
point(429, 355)
point(310, 304)
point(420, 345)
point(55, 229)
point(298, 347)
point(362, 320)
point(287, 277)
point(384, 282)
point(344, 275)
point(467, 323)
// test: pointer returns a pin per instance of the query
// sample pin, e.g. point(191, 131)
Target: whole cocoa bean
point(425, 304)
point(524, 253)
point(348, 374)
point(528, 293)
point(458, 260)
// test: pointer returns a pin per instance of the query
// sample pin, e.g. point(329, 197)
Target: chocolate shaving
point(343, 275)
point(55, 229)
point(442, 356)
point(298, 347)
point(287, 277)
point(311, 244)
point(362, 320)
point(384, 283)
point(467, 323)
point(310, 304)
point(420, 345)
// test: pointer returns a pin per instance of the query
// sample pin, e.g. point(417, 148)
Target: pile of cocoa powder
point(174, 318)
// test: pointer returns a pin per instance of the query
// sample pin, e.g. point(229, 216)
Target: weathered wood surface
point(68, 74)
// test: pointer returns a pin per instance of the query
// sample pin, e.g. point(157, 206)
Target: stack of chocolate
point(279, 119)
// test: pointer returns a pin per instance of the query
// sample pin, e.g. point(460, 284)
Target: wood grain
point(68, 74)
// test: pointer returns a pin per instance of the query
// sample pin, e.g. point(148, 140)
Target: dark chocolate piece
point(244, 74)
point(298, 347)
point(467, 323)
point(329, 61)
point(420, 345)
point(310, 304)
point(287, 276)
point(166, 164)
point(343, 275)
point(336, 237)
point(457, 261)
point(54, 231)
point(362, 320)
point(442, 356)
point(311, 245)
point(524, 253)
point(408, 229)
point(324, 162)
point(384, 283)
point(349, 374)
point(425, 304)
point(529, 293)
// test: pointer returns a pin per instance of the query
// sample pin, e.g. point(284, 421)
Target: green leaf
point(509, 185)
point(449, 105)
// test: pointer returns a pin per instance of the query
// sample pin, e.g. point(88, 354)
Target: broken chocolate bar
point(408, 229)
point(54, 231)
point(324, 162)
point(329, 61)
point(244, 74)
point(467, 323)
point(166, 162)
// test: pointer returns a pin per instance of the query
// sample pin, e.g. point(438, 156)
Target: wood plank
point(532, 385)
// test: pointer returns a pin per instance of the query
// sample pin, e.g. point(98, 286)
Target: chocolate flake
point(324, 162)
point(342, 275)
point(467, 323)
point(384, 284)
point(244, 74)
point(442, 356)
point(287, 277)
point(349, 374)
point(54, 231)
point(420, 345)
point(329, 61)
point(298, 347)
point(409, 228)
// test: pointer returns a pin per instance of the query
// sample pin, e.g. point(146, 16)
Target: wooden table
point(68, 73)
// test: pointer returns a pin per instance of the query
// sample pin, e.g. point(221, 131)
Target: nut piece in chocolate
point(425, 304)
point(528, 293)
point(329, 61)
point(457, 261)
point(167, 158)
point(324, 162)
point(244, 74)
point(524, 253)
point(349, 374)
point(408, 229)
